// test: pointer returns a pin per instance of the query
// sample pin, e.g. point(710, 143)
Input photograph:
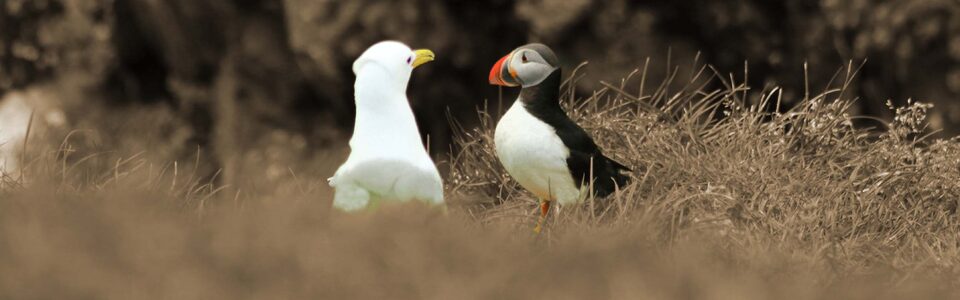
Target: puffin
point(536, 142)
point(388, 161)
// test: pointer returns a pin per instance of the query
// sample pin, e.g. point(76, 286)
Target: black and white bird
point(388, 161)
point(541, 148)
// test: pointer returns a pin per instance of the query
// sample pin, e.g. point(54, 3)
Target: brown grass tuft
point(801, 184)
point(729, 200)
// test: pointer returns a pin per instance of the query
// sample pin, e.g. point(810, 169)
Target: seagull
point(388, 161)
point(15, 115)
point(538, 145)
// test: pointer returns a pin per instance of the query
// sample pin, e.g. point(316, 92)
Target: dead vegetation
point(733, 197)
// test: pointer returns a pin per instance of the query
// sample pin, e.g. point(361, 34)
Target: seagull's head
point(394, 57)
point(525, 66)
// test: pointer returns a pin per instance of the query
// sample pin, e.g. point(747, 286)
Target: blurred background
point(263, 85)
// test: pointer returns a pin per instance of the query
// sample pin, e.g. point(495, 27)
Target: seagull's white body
point(14, 119)
point(16, 109)
point(388, 161)
point(535, 156)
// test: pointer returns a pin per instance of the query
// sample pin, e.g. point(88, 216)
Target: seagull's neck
point(390, 111)
point(384, 116)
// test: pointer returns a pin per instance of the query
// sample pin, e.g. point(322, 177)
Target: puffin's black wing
point(543, 102)
point(606, 172)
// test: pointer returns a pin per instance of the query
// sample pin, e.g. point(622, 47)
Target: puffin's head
point(525, 66)
point(395, 57)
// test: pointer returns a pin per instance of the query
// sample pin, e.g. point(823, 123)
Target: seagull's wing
point(391, 180)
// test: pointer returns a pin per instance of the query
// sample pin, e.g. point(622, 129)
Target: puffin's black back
point(543, 102)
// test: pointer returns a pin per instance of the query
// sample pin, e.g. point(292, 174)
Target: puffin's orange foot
point(544, 209)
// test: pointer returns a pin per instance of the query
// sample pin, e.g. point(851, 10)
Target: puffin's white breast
point(534, 155)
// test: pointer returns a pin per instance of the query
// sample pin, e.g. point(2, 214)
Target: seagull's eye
point(409, 59)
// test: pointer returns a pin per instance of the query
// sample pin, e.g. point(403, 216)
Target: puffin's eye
point(523, 57)
point(409, 58)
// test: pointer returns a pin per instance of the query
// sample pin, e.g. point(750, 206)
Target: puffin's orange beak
point(501, 75)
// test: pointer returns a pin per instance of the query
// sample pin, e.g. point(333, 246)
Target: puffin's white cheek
point(535, 73)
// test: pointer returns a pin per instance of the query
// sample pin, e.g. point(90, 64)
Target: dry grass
point(728, 201)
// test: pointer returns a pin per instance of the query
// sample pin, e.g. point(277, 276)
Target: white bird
point(545, 151)
point(388, 161)
point(14, 118)
point(17, 109)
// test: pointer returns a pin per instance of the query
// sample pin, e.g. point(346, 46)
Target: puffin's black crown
point(544, 52)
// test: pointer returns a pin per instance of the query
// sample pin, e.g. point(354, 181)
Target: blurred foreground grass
point(729, 201)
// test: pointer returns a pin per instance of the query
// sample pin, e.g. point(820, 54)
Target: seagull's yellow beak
point(421, 56)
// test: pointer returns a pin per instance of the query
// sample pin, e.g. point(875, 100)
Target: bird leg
point(544, 210)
